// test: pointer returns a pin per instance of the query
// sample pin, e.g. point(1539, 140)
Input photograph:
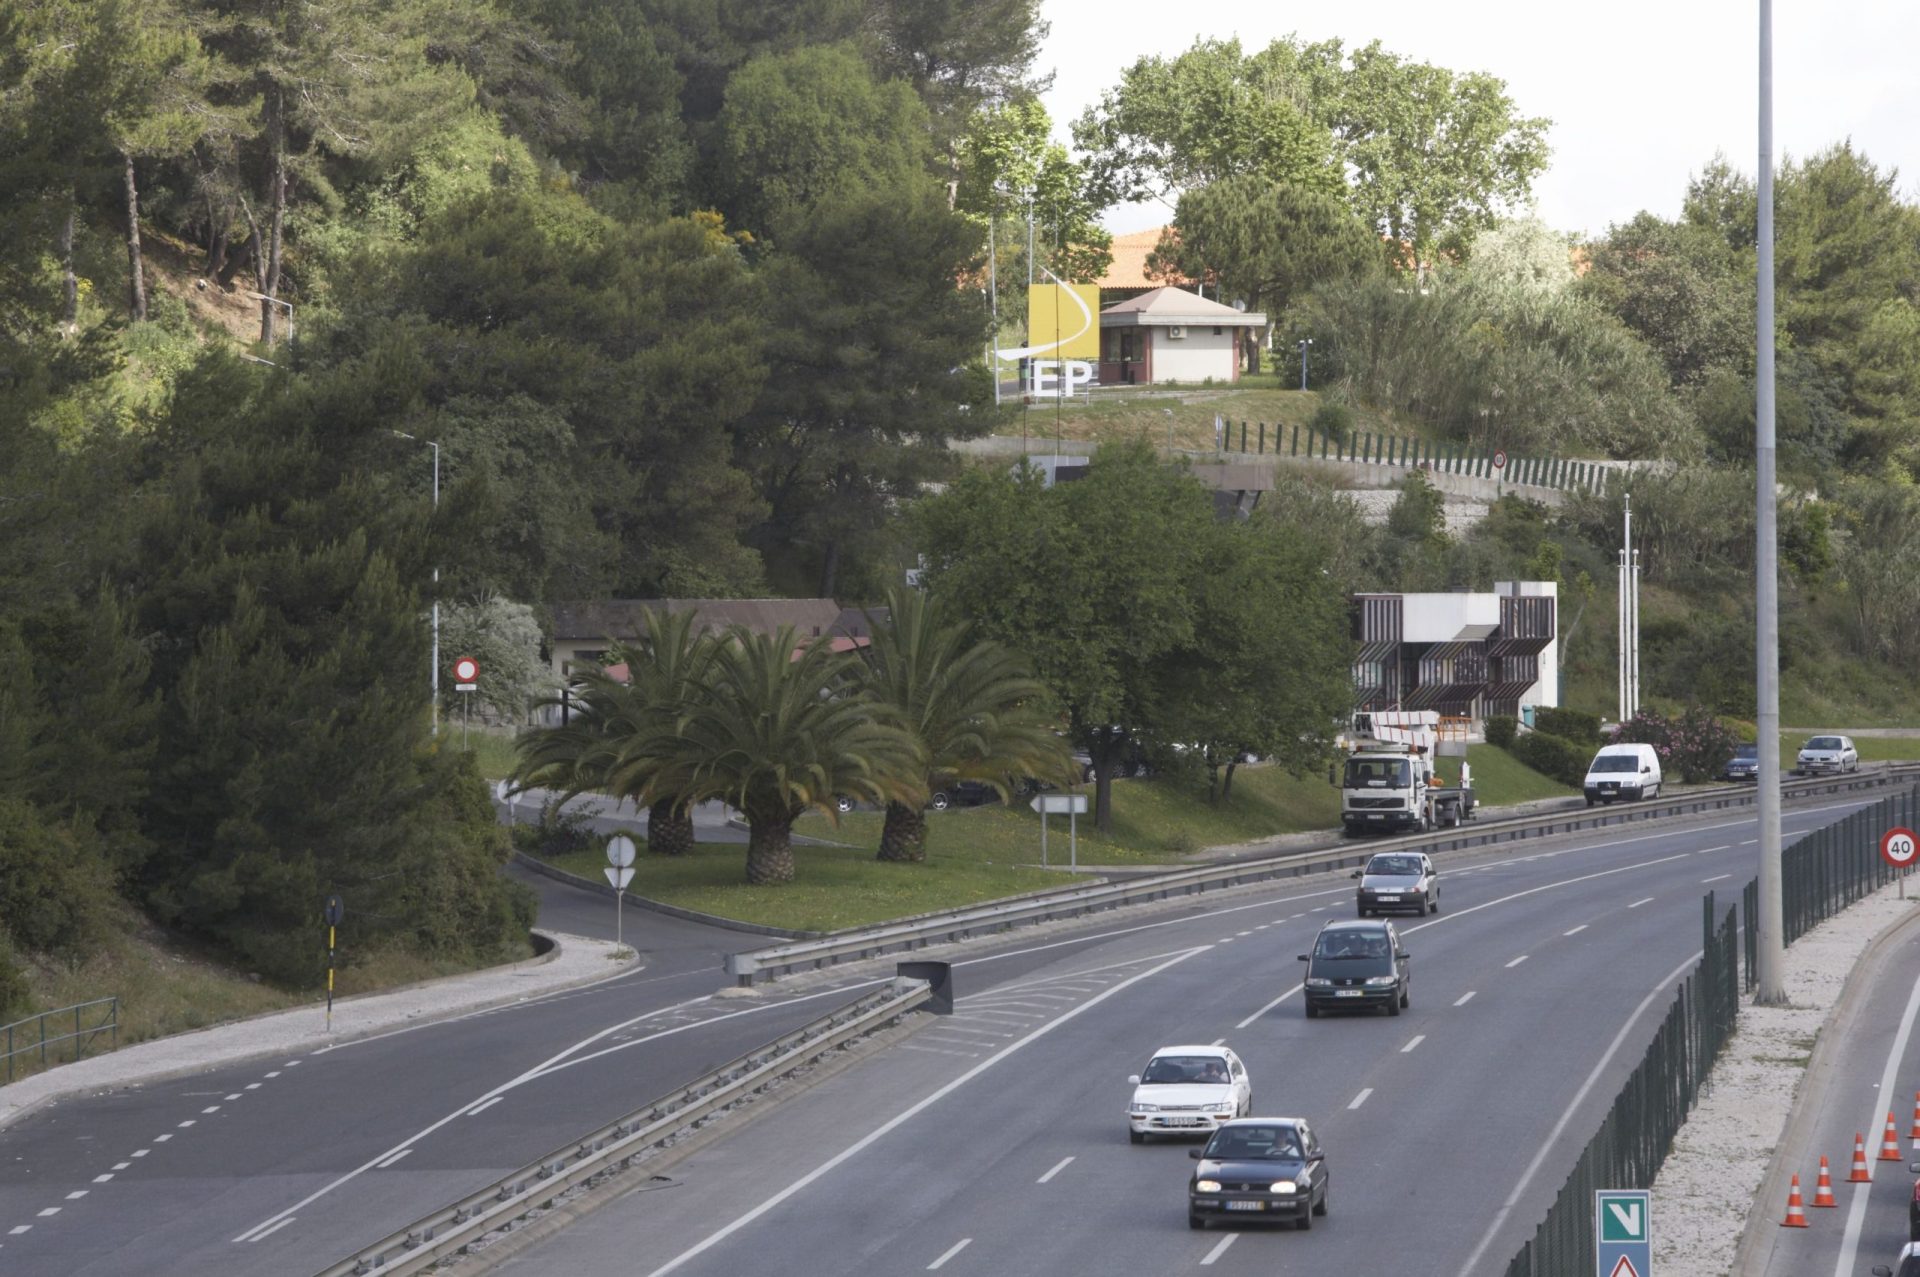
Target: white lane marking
point(121, 1166)
point(1465, 998)
point(484, 1105)
point(1361, 1098)
point(1715, 878)
point(251, 1086)
point(1857, 1209)
point(1226, 940)
point(1063, 1163)
point(18, 1229)
point(934, 1050)
point(992, 1033)
point(101, 1179)
point(1470, 1268)
point(955, 1250)
point(77, 1194)
point(141, 1152)
point(275, 1073)
point(1221, 1249)
point(1707, 851)
point(51, 1210)
point(1263, 926)
point(1008, 1015)
point(899, 1119)
point(1243, 933)
point(1636, 904)
point(1576, 931)
point(189, 1122)
point(211, 1108)
point(162, 1139)
point(266, 1233)
point(1270, 1006)
point(291, 1064)
point(1516, 962)
point(396, 1157)
point(1418, 1038)
point(552, 1064)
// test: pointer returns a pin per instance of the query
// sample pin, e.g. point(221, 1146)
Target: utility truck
point(1391, 782)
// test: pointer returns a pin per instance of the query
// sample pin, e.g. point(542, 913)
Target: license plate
point(1388, 900)
point(1374, 815)
point(1346, 993)
point(1246, 1205)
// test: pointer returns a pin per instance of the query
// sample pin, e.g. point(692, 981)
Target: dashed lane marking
point(955, 1249)
point(1516, 962)
point(1059, 1166)
point(1418, 1038)
point(1576, 931)
point(1715, 878)
point(1221, 1249)
point(1636, 904)
point(1361, 1098)
point(77, 1194)
point(1465, 998)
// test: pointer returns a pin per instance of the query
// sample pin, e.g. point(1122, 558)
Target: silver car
point(1397, 882)
point(1829, 754)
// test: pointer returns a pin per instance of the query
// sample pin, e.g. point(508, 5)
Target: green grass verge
point(1500, 779)
point(1123, 414)
point(492, 749)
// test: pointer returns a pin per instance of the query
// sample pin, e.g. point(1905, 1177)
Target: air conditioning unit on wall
point(1175, 332)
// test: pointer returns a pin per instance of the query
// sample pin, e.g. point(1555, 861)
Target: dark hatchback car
point(1744, 765)
point(1356, 964)
point(1259, 1168)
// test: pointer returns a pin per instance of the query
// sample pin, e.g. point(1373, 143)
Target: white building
point(1470, 655)
point(1169, 334)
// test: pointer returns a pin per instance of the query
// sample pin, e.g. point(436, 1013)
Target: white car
point(1829, 754)
point(1188, 1090)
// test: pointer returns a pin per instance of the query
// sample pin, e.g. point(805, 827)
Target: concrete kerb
point(656, 906)
point(571, 962)
point(1756, 1239)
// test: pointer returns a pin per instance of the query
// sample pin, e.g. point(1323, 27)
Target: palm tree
point(973, 706)
point(614, 743)
point(781, 728)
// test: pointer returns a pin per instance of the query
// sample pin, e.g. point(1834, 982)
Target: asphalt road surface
point(1449, 1127)
point(995, 1142)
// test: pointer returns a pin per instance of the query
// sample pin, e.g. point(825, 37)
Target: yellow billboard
point(1063, 321)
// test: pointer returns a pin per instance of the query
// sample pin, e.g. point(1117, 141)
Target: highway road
point(1449, 1125)
point(994, 1142)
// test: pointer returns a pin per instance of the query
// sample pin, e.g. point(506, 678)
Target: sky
point(1641, 93)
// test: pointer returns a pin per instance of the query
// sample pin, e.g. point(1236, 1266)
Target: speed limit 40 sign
point(1898, 847)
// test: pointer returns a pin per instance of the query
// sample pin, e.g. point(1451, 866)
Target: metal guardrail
point(82, 1035)
point(426, 1241)
point(757, 965)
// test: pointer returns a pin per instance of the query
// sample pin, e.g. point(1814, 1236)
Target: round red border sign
point(466, 669)
point(1499, 459)
point(1898, 847)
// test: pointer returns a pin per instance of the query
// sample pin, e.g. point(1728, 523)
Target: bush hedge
point(1501, 729)
point(1555, 756)
point(1568, 724)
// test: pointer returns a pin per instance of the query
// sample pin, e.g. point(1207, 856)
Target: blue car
point(1744, 765)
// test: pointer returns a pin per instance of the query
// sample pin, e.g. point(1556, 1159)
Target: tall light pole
point(1772, 947)
point(1306, 344)
point(434, 679)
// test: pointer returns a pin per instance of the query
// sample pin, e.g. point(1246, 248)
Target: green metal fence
point(1831, 868)
point(1638, 1131)
point(1442, 458)
point(31, 1037)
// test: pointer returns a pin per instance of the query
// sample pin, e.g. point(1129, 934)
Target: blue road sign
point(1623, 1233)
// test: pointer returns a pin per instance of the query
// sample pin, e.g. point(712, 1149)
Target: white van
point(1622, 771)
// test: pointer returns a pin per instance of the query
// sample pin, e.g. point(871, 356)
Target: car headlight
point(1146, 1108)
point(1318, 982)
point(1206, 1186)
point(1283, 1186)
point(1379, 981)
point(1223, 1108)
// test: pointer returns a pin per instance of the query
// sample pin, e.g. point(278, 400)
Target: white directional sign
point(619, 876)
point(1623, 1233)
point(620, 852)
point(1060, 804)
point(1898, 847)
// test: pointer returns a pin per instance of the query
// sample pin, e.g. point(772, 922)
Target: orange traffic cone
point(1859, 1174)
point(1915, 1135)
point(1823, 1190)
point(1796, 1216)
point(1890, 1144)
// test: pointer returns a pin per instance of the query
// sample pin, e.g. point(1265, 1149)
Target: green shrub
point(1693, 745)
point(1501, 729)
point(54, 883)
point(558, 832)
point(1553, 756)
point(16, 998)
point(1568, 724)
point(1334, 420)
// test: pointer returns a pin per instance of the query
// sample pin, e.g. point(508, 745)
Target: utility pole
point(1772, 947)
point(1628, 665)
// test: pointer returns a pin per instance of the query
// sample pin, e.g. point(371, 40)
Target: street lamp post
point(434, 680)
point(1305, 344)
point(1771, 954)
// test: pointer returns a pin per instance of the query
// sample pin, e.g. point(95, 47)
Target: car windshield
point(1746, 751)
point(1824, 742)
point(1394, 866)
point(1377, 773)
point(1254, 1141)
point(1173, 1070)
point(1351, 944)
point(1616, 763)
